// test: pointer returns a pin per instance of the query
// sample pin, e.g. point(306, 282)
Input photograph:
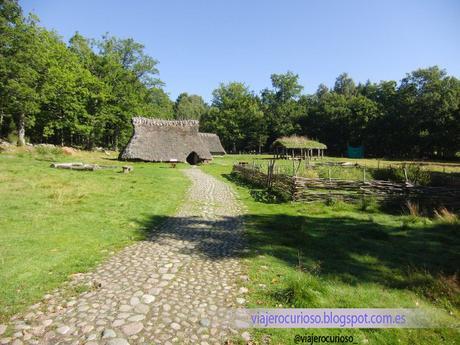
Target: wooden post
point(268, 174)
point(329, 173)
point(364, 174)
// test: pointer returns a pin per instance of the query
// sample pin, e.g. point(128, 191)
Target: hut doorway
point(193, 158)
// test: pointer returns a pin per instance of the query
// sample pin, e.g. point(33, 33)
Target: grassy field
point(378, 169)
point(341, 256)
point(367, 162)
point(57, 222)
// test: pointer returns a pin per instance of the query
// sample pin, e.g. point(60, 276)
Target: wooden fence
point(298, 188)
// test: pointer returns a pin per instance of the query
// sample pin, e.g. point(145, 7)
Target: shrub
point(415, 174)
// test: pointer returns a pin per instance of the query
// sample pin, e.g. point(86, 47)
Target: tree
point(344, 85)
point(130, 55)
point(236, 117)
point(281, 106)
point(286, 86)
point(132, 88)
point(69, 92)
point(157, 104)
point(339, 120)
point(22, 64)
point(322, 90)
point(189, 107)
point(429, 102)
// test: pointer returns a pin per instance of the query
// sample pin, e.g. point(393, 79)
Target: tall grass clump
point(49, 150)
point(301, 290)
point(413, 208)
point(443, 215)
point(48, 153)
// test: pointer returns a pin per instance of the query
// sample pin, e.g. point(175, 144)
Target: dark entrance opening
point(193, 158)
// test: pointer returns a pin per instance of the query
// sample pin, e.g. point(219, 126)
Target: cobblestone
point(171, 288)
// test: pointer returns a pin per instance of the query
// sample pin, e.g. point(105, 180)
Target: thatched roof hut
point(297, 146)
point(156, 140)
point(213, 143)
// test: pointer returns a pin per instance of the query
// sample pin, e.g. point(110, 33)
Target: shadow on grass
point(356, 251)
point(350, 250)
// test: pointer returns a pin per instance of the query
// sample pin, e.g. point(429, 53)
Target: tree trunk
point(21, 130)
point(1, 122)
point(115, 141)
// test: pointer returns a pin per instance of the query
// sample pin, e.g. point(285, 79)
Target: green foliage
point(235, 115)
point(344, 85)
point(83, 94)
point(189, 107)
point(281, 105)
point(419, 117)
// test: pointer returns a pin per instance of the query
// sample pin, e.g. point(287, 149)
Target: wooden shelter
point(156, 140)
point(298, 147)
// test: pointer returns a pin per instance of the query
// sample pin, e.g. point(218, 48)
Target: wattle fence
point(298, 188)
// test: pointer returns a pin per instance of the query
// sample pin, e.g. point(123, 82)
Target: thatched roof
point(157, 140)
point(296, 142)
point(213, 143)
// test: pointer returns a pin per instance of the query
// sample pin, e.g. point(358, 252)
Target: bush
point(415, 174)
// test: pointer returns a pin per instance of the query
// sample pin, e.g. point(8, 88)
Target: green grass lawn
point(339, 256)
point(57, 222)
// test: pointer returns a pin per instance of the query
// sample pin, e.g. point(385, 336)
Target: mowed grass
point(57, 222)
point(345, 256)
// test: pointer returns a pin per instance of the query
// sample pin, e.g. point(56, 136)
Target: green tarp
point(355, 152)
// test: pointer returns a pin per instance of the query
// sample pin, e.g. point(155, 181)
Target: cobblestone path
point(170, 289)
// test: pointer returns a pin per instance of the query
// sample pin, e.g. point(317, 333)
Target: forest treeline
point(84, 93)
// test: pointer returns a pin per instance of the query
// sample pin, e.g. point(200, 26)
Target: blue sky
point(202, 43)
